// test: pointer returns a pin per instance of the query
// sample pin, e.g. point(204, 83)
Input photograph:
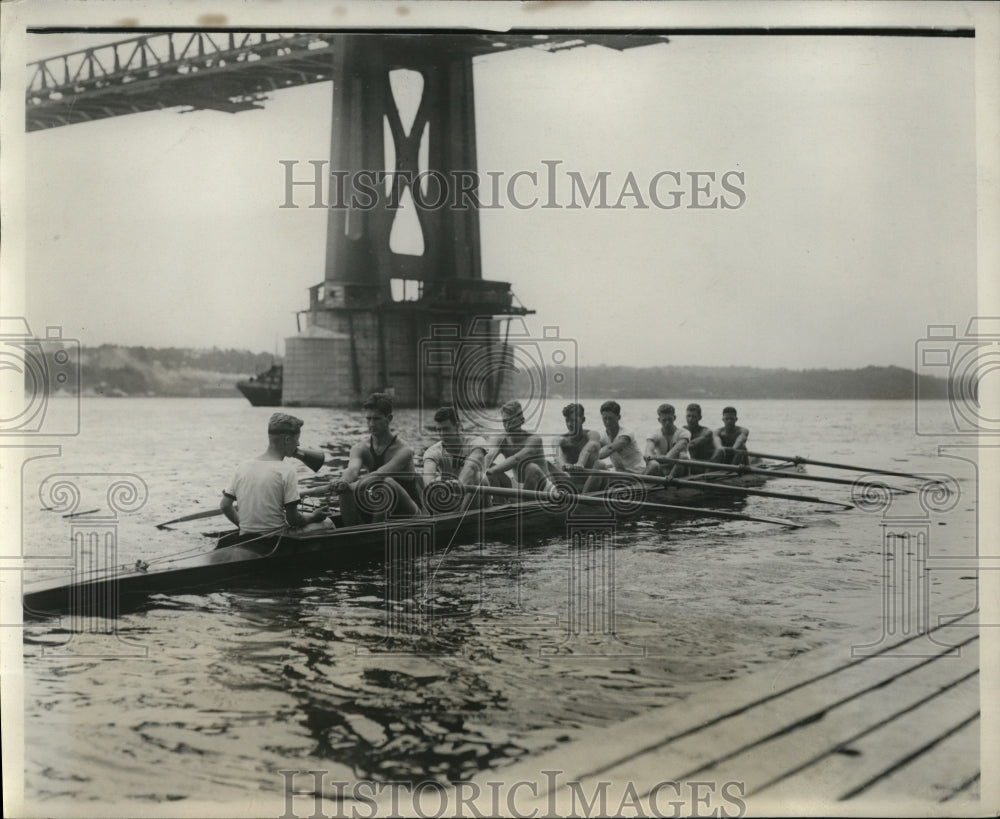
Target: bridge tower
point(380, 295)
point(403, 247)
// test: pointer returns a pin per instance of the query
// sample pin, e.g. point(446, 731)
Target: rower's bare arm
point(704, 435)
point(494, 450)
point(617, 445)
point(741, 439)
point(532, 450)
point(677, 450)
point(650, 449)
point(592, 446)
point(354, 466)
point(473, 467)
point(558, 458)
point(401, 463)
point(228, 507)
point(430, 470)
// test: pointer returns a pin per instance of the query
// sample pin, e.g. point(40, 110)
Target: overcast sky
point(857, 230)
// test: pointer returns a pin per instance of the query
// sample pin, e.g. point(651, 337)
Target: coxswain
point(262, 498)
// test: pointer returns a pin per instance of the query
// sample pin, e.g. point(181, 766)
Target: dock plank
point(850, 768)
point(940, 772)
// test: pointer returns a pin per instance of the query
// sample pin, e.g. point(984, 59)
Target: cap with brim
point(283, 424)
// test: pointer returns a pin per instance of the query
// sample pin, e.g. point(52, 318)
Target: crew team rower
point(702, 446)
point(457, 456)
point(388, 463)
point(579, 447)
point(516, 450)
point(731, 440)
point(670, 441)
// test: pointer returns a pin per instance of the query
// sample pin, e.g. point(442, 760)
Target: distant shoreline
point(125, 372)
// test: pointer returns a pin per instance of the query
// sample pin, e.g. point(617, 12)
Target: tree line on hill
point(749, 382)
point(116, 370)
point(111, 369)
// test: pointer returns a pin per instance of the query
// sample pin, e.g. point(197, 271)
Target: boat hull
point(260, 395)
point(318, 547)
point(264, 389)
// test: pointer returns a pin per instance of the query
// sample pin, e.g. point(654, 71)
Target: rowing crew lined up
point(263, 495)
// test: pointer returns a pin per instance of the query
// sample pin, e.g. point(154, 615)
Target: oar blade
point(798, 459)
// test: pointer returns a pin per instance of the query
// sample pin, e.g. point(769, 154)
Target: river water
point(205, 698)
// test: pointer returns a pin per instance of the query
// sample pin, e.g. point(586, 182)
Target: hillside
point(176, 372)
point(749, 382)
point(172, 372)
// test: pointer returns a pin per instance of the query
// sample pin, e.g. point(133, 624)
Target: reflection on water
point(476, 665)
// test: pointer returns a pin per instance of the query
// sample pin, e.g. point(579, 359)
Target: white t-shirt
point(628, 458)
point(662, 444)
point(261, 489)
point(446, 464)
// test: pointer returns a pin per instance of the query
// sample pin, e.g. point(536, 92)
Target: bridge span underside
point(380, 296)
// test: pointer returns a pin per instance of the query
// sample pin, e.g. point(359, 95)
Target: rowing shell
point(315, 548)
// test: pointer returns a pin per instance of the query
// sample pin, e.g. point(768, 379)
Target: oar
point(594, 500)
point(798, 459)
point(772, 473)
point(211, 513)
point(77, 514)
point(711, 487)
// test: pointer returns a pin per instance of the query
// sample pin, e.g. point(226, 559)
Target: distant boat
point(263, 389)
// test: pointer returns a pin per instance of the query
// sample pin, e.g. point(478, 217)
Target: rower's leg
point(654, 468)
point(349, 508)
point(596, 482)
point(533, 478)
point(500, 480)
point(399, 505)
point(405, 506)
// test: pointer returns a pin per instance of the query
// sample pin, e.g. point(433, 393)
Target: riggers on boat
point(251, 562)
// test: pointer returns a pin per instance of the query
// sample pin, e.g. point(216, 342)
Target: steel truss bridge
point(234, 71)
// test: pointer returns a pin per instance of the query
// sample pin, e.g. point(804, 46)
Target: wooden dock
point(839, 731)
